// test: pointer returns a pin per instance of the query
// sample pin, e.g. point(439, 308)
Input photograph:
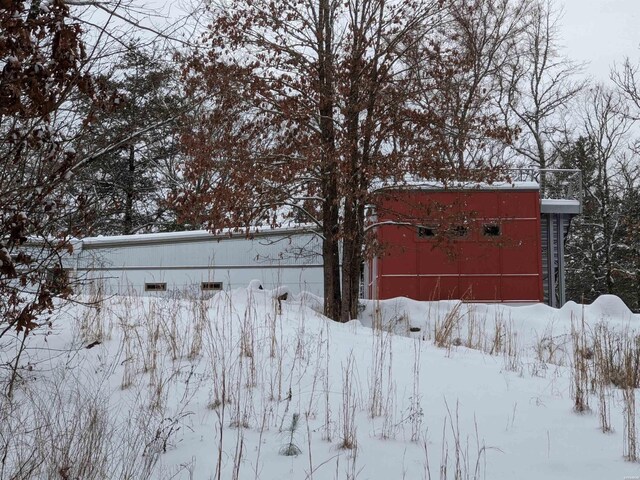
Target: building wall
point(474, 266)
point(121, 265)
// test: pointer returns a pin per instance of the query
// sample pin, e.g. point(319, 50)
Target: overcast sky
point(601, 32)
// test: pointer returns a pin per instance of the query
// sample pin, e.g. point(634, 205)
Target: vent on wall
point(491, 230)
point(155, 287)
point(211, 286)
point(460, 231)
point(426, 232)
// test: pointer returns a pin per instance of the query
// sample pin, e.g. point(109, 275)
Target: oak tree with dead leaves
point(42, 66)
point(308, 107)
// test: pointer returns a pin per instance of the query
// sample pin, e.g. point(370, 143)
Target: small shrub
point(291, 449)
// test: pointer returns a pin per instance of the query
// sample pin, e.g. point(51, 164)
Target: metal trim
point(197, 267)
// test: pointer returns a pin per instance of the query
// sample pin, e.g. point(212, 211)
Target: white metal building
point(199, 261)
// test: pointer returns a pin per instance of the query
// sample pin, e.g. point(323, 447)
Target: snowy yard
point(224, 388)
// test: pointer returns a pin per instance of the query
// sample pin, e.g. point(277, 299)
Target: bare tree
point(485, 36)
point(597, 246)
point(539, 84)
point(47, 69)
point(605, 120)
point(627, 79)
point(42, 66)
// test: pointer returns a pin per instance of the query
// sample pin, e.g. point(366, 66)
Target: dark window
point(211, 285)
point(155, 287)
point(426, 232)
point(459, 231)
point(491, 230)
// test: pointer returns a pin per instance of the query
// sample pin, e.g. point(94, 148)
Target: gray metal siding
point(183, 264)
point(553, 284)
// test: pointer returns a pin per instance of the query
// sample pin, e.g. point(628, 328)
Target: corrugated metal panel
point(544, 233)
point(182, 263)
point(550, 282)
point(122, 281)
point(291, 250)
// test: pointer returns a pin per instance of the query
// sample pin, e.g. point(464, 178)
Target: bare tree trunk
point(331, 275)
point(607, 230)
point(349, 247)
point(637, 283)
point(352, 260)
point(127, 224)
point(330, 170)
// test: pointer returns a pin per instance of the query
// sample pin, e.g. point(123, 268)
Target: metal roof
point(184, 237)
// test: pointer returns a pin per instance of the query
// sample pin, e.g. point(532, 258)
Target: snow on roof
point(557, 205)
point(147, 237)
point(188, 236)
point(433, 185)
point(560, 201)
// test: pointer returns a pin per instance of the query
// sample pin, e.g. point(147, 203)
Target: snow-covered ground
point(194, 388)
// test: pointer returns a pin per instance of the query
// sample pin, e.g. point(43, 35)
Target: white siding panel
point(292, 260)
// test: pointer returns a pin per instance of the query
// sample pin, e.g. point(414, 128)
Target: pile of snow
point(531, 323)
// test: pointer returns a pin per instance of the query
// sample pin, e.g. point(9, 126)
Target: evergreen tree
point(583, 262)
point(602, 249)
point(124, 188)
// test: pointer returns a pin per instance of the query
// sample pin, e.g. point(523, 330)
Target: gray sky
point(601, 32)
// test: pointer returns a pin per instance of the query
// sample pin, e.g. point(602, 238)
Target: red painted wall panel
point(521, 247)
point(486, 208)
point(520, 288)
point(399, 287)
point(477, 257)
point(403, 262)
point(432, 259)
point(519, 204)
point(471, 264)
point(486, 288)
point(438, 288)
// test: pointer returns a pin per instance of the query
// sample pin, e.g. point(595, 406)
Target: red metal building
point(477, 244)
